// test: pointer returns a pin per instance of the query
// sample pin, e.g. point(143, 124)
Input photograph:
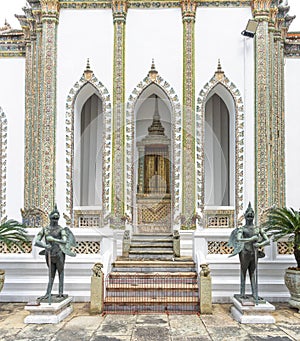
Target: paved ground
point(81, 326)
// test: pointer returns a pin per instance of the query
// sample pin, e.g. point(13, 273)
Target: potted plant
point(285, 222)
point(11, 233)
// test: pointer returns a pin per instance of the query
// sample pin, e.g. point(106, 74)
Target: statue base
point(42, 312)
point(249, 300)
point(257, 313)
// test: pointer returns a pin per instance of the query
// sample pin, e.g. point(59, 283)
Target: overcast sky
point(10, 7)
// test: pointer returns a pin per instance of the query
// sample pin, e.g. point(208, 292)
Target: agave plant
point(13, 233)
point(283, 222)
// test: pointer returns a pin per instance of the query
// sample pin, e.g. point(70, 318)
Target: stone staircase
point(152, 246)
point(152, 279)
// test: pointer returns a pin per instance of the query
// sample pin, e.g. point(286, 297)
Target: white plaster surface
point(81, 34)
point(152, 33)
point(292, 124)
point(12, 101)
point(236, 53)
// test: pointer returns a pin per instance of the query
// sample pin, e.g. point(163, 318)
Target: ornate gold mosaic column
point(261, 11)
point(282, 23)
point(50, 14)
point(36, 93)
point(31, 25)
point(188, 8)
point(27, 25)
point(273, 119)
point(119, 8)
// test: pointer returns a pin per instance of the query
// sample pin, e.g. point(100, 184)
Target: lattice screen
point(285, 248)
point(87, 247)
point(219, 218)
point(89, 221)
point(15, 249)
point(84, 247)
point(222, 248)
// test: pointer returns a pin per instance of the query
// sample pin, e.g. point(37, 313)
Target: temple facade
point(148, 117)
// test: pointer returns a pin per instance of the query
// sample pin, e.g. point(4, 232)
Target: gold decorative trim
point(263, 168)
point(158, 4)
point(188, 10)
point(118, 201)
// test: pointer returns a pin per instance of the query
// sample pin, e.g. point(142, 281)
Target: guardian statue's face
point(54, 215)
point(249, 214)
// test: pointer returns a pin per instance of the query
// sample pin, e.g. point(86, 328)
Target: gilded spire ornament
point(88, 73)
point(219, 74)
point(153, 73)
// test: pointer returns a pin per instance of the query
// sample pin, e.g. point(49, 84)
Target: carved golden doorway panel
point(157, 171)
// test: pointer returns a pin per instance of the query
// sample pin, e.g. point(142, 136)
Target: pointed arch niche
point(153, 103)
point(220, 152)
point(88, 141)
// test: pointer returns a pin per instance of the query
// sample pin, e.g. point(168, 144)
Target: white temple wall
point(82, 34)
point(154, 34)
point(292, 128)
point(12, 101)
point(236, 53)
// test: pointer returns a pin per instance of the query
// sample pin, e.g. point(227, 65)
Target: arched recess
point(154, 84)
point(83, 91)
point(3, 162)
point(221, 86)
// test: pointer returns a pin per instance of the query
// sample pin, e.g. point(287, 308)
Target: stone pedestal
point(49, 313)
point(257, 313)
point(97, 294)
point(205, 290)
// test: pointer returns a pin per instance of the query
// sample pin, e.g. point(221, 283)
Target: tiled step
point(191, 274)
point(152, 307)
point(152, 240)
point(152, 235)
point(116, 285)
point(153, 252)
point(148, 266)
point(151, 245)
point(157, 299)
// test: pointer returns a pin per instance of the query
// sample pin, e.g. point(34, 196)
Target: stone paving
point(81, 326)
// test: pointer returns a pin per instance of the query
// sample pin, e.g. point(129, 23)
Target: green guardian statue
point(246, 241)
point(57, 243)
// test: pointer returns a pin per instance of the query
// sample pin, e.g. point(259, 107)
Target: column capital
point(50, 9)
point(119, 9)
point(188, 10)
point(273, 15)
point(261, 9)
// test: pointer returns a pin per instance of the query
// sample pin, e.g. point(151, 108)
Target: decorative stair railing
point(171, 293)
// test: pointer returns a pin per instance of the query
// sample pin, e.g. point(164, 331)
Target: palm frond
point(283, 222)
point(13, 233)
